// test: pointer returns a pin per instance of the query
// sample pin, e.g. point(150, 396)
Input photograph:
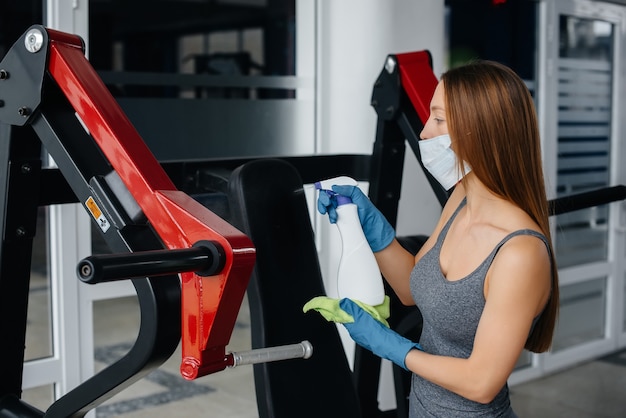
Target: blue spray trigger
point(326, 186)
point(342, 200)
point(339, 198)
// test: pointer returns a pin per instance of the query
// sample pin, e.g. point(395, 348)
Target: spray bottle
point(358, 277)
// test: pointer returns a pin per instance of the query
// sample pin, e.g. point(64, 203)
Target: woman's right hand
point(378, 231)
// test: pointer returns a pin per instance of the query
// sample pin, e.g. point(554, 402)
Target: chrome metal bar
point(265, 355)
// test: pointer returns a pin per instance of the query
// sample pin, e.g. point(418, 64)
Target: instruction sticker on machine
point(97, 214)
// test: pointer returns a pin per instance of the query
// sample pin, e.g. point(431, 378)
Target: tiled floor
point(596, 389)
point(164, 393)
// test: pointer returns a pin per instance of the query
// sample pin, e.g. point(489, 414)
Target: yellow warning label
point(93, 208)
point(97, 214)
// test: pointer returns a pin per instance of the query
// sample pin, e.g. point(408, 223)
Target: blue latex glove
point(377, 229)
point(373, 335)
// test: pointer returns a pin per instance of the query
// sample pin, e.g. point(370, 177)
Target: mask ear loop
point(463, 167)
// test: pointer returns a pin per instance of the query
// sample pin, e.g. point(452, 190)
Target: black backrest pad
point(268, 204)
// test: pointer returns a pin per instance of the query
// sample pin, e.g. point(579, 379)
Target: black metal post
point(20, 166)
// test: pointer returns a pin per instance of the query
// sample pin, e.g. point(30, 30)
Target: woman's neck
point(482, 203)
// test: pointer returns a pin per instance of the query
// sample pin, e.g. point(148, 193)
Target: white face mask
point(441, 161)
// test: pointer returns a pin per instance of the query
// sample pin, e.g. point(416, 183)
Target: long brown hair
point(493, 125)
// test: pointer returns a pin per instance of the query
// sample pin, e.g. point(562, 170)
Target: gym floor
point(593, 389)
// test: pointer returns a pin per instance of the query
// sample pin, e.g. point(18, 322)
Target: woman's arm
point(517, 289)
point(395, 264)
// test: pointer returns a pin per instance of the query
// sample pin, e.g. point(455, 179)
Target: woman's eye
point(439, 120)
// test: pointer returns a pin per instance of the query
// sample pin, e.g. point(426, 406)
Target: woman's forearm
point(395, 264)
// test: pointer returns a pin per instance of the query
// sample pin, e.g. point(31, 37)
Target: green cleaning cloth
point(330, 310)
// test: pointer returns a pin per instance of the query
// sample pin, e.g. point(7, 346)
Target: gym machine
point(190, 268)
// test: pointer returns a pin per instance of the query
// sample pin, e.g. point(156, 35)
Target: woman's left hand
point(376, 337)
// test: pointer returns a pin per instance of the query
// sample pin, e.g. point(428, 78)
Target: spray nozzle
point(327, 187)
point(338, 181)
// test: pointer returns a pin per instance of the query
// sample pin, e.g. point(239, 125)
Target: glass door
point(581, 131)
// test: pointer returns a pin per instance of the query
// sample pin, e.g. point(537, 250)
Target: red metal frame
point(209, 304)
point(418, 80)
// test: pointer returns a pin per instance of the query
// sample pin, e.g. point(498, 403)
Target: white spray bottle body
point(358, 275)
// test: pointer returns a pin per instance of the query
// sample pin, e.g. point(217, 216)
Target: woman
point(486, 279)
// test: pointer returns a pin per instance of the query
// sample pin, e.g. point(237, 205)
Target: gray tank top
point(451, 311)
